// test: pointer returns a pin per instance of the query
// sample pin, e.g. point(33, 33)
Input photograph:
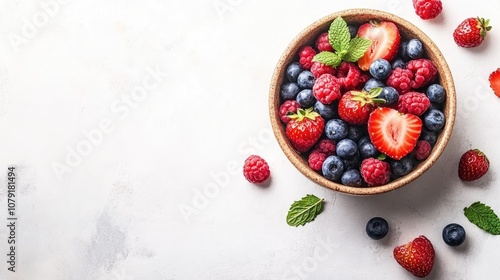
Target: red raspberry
point(375, 172)
point(306, 55)
point(256, 169)
point(326, 146)
point(423, 71)
point(326, 89)
point(422, 150)
point(400, 79)
point(427, 9)
point(319, 69)
point(349, 75)
point(288, 107)
point(316, 159)
point(414, 103)
point(323, 43)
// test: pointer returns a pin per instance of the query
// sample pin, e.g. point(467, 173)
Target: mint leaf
point(304, 210)
point(483, 216)
point(328, 58)
point(357, 48)
point(339, 35)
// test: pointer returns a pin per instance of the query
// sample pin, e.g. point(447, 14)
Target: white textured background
point(116, 213)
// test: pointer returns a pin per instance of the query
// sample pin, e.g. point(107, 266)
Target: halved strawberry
point(495, 82)
point(385, 39)
point(393, 133)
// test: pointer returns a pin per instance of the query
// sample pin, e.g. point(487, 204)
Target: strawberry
point(471, 32)
point(416, 256)
point(304, 129)
point(472, 165)
point(495, 82)
point(393, 133)
point(355, 106)
point(385, 39)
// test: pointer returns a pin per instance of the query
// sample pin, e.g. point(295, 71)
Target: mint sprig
point(484, 217)
point(346, 49)
point(304, 210)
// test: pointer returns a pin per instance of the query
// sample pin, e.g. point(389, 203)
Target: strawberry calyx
point(304, 113)
point(483, 26)
point(370, 97)
point(481, 154)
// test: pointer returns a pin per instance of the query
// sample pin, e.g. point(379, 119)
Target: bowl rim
point(405, 27)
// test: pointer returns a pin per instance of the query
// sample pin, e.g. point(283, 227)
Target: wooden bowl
point(307, 37)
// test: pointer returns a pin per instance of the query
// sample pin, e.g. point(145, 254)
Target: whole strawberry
point(355, 106)
point(473, 165)
point(471, 32)
point(304, 129)
point(416, 256)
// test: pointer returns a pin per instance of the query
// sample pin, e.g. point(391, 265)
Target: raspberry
point(413, 103)
point(326, 146)
point(423, 71)
point(326, 89)
point(375, 172)
point(256, 169)
point(427, 9)
point(316, 159)
point(349, 75)
point(289, 106)
point(323, 43)
point(422, 150)
point(319, 69)
point(306, 55)
point(400, 79)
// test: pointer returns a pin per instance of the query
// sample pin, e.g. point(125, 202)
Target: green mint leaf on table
point(483, 216)
point(328, 58)
point(357, 48)
point(339, 35)
point(304, 210)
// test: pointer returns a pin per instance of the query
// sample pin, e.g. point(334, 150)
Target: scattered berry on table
point(422, 150)
point(494, 80)
point(380, 69)
point(423, 70)
point(400, 79)
point(385, 39)
point(453, 234)
point(434, 120)
point(373, 83)
point(306, 98)
point(471, 32)
point(414, 103)
point(377, 228)
point(288, 107)
point(390, 95)
point(366, 148)
point(416, 256)
point(351, 178)
point(354, 132)
point(326, 89)
point(336, 129)
point(326, 111)
point(346, 148)
point(323, 43)
point(436, 93)
point(306, 79)
point(326, 146)
point(289, 91)
point(414, 49)
point(306, 55)
point(316, 159)
point(375, 172)
point(473, 165)
point(318, 69)
point(304, 129)
point(256, 170)
point(401, 167)
point(332, 168)
point(427, 9)
point(293, 70)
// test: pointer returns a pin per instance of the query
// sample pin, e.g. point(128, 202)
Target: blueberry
point(363, 139)
point(352, 163)
point(377, 228)
point(326, 111)
point(367, 150)
point(332, 168)
point(380, 69)
point(398, 63)
point(428, 136)
point(346, 148)
point(436, 106)
point(390, 95)
point(353, 30)
point(454, 234)
point(373, 83)
point(401, 167)
point(434, 120)
point(351, 178)
point(306, 79)
point(305, 98)
point(293, 70)
point(355, 132)
point(436, 93)
point(414, 49)
point(403, 46)
point(336, 129)
point(289, 91)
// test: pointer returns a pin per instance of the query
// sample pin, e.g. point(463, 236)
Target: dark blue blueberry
point(373, 83)
point(403, 46)
point(363, 139)
point(305, 98)
point(346, 148)
point(436, 93)
point(306, 79)
point(353, 30)
point(398, 63)
point(332, 168)
point(434, 120)
point(326, 111)
point(289, 91)
point(454, 234)
point(428, 136)
point(366, 149)
point(355, 132)
point(377, 228)
point(352, 163)
point(401, 167)
point(336, 129)
point(414, 49)
point(390, 95)
point(351, 178)
point(293, 70)
point(380, 69)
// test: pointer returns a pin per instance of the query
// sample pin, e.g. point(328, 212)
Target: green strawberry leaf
point(304, 210)
point(328, 58)
point(339, 35)
point(483, 216)
point(357, 48)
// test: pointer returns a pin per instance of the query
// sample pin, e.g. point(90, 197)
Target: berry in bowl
point(362, 102)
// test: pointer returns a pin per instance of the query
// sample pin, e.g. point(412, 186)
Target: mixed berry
point(363, 118)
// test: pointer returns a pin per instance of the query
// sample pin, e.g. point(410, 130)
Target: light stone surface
point(173, 95)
